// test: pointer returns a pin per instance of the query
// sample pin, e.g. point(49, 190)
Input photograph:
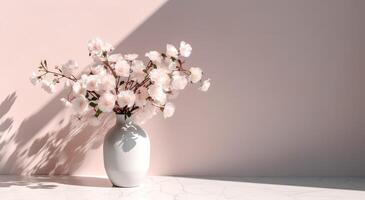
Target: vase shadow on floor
point(52, 182)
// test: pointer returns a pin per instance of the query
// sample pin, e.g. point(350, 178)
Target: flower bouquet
point(122, 83)
point(134, 90)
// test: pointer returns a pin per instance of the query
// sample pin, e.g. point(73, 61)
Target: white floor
point(178, 188)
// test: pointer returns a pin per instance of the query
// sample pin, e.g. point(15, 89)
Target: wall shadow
point(278, 77)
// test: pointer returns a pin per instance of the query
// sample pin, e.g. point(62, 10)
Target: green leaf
point(134, 108)
point(98, 112)
point(93, 104)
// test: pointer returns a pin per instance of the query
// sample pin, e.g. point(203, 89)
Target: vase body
point(126, 153)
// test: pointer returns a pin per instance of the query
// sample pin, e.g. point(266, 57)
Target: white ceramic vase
point(126, 153)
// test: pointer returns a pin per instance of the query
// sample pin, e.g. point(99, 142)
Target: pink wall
point(287, 97)
point(31, 138)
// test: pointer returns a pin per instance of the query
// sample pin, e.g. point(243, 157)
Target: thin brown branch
point(127, 83)
point(117, 85)
point(106, 63)
point(59, 74)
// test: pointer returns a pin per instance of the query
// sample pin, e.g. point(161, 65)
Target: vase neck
point(122, 121)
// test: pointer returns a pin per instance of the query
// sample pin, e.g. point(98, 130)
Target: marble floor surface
point(182, 188)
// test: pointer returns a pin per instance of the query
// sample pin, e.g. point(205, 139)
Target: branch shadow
point(6, 105)
point(127, 141)
point(58, 151)
point(6, 124)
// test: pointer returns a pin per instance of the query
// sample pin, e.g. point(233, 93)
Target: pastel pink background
point(287, 96)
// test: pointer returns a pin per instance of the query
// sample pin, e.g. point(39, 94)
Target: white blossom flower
point(48, 86)
point(185, 49)
point(196, 74)
point(131, 57)
point(69, 67)
point(144, 114)
point(172, 65)
point(34, 78)
point(154, 56)
point(68, 83)
point(107, 47)
point(98, 69)
point(87, 69)
point(138, 73)
point(156, 92)
point(107, 102)
point(78, 88)
point(126, 98)
point(160, 77)
point(141, 97)
point(92, 83)
point(83, 80)
point(167, 64)
point(80, 104)
point(168, 110)
point(171, 51)
point(178, 82)
point(205, 86)
point(66, 102)
point(122, 68)
point(107, 82)
point(97, 47)
point(115, 57)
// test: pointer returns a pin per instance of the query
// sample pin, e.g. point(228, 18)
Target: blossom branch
point(46, 71)
point(147, 90)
